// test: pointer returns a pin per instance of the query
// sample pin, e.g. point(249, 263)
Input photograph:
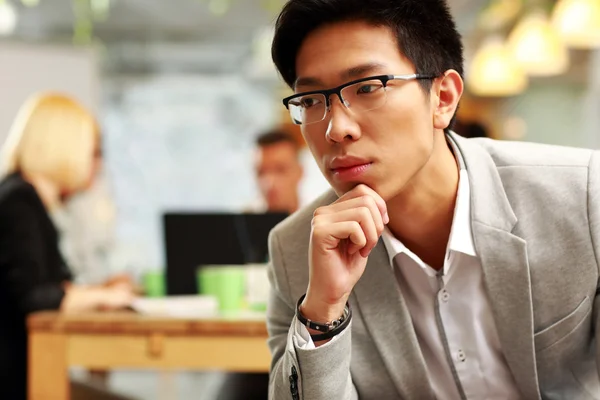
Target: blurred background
point(182, 88)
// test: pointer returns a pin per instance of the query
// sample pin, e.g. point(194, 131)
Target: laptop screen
point(196, 239)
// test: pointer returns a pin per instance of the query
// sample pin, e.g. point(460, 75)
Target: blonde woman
point(52, 152)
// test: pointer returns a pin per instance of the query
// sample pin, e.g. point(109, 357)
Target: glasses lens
point(364, 96)
point(307, 109)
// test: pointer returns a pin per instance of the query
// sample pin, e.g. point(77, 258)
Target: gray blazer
point(536, 224)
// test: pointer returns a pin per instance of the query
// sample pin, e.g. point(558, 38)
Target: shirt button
point(445, 296)
point(462, 357)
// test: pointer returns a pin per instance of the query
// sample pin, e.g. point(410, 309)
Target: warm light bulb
point(8, 18)
point(578, 22)
point(30, 3)
point(218, 7)
point(494, 72)
point(537, 46)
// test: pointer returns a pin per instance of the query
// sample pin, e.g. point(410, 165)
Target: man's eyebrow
point(361, 70)
point(307, 81)
point(349, 74)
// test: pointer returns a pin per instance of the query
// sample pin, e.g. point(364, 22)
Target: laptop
point(196, 239)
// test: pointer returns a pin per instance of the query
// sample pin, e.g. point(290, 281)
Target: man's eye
point(368, 88)
point(308, 102)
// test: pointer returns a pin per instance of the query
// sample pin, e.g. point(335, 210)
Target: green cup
point(226, 283)
point(154, 284)
point(207, 280)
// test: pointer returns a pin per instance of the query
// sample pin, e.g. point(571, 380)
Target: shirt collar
point(461, 234)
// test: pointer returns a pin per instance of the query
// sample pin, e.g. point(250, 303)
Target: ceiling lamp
point(538, 47)
point(8, 18)
point(219, 7)
point(30, 3)
point(498, 14)
point(578, 22)
point(494, 72)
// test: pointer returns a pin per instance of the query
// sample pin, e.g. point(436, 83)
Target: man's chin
point(278, 208)
point(341, 189)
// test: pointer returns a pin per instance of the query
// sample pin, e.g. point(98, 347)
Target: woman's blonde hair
point(53, 136)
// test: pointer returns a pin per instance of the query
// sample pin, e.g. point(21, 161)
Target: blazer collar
point(504, 261)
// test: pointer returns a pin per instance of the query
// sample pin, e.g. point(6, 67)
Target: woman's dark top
point(32, 273)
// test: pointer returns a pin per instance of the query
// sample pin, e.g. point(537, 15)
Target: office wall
point(28, 68)
point(183, 142)
point(552, 113)
point(592, 103)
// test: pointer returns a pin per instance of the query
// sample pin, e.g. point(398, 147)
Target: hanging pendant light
point(538, 47)
point(8, 18)
point(494, 72)
point(578, 22)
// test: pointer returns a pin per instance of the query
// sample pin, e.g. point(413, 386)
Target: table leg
point(48, 367)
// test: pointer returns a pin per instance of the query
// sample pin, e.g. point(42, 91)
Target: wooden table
point(105, 341)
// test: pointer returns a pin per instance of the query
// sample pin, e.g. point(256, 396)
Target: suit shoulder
point(524, 154)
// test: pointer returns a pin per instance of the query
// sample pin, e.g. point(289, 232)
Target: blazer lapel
point(505, 265)
point(388, 320)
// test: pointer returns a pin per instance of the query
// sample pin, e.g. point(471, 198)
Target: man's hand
point(115, 298)
point(343, 235)
point(118, 280)
point(89, 298)
point(123, 281)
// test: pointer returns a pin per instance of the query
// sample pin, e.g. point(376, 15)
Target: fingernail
point(386, 218)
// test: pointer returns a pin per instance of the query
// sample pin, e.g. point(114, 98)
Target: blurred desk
point(105, 341)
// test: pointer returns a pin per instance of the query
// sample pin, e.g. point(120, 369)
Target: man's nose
point(342, 125)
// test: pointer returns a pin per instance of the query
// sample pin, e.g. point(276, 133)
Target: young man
point(278, 171)
point(438, 267)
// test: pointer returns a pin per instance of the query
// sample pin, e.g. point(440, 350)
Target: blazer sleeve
point(26, 272)
point(594, 220)
point(317, 374)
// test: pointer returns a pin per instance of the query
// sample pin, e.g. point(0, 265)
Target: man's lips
point(342, 170)
point(349, 168)
point(339, 164)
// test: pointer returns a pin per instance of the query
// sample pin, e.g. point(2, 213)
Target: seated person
point(51, 153)
point(278, 171)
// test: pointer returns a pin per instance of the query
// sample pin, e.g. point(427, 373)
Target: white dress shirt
point(461, 349)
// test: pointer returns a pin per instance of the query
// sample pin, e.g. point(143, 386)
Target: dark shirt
point(32, 272)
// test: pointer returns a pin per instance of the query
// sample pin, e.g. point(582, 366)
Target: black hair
point(425, 31)
point(275, 137)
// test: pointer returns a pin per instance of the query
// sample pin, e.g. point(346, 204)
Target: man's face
point(383, 148)
point(278, 171)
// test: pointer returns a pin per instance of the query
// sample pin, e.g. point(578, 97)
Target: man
point(438, 267)
point(278, 171)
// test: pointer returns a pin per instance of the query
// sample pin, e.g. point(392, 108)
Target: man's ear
point(448, 91)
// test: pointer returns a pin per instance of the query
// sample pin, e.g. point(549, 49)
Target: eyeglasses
point(360, 95)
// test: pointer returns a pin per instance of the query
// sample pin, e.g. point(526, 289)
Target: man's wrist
point(320, 312)
point(331, 323)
